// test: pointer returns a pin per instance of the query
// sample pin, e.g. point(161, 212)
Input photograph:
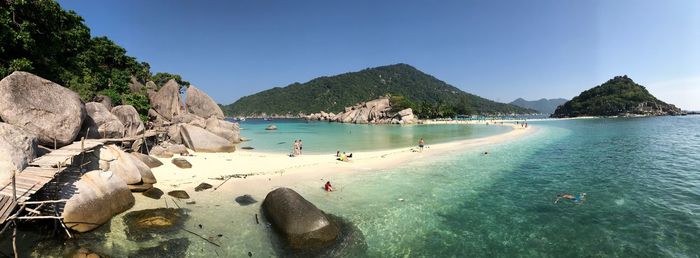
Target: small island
point(619, 96)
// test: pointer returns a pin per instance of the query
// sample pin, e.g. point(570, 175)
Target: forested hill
point(618, 96)
point(544, 106)
point(428, 96)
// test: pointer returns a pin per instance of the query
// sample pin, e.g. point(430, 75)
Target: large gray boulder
point(151, 162)
point(127, 114)
point(201, 140)
point(298, 221)
point(362, 116)
point(135, 86)
point(98, 196)
point(190, 119)
point(104, 100)
point(167, 101)
point(174, 133)
point(47, 109)
point(120, 163)
point(101, 122)
point(17, 148)
point(224, 129)
point(199, 103)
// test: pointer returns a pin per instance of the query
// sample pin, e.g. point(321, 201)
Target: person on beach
point(421, 143)
point(295, 149)
point(300, 146)
point(345, 158)
point(578, 199)
point(337, 154)
point(328, 186)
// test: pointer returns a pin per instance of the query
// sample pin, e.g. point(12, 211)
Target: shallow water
point(323, 137)
point(641, 176)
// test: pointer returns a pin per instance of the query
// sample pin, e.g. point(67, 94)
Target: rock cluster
point(376, 111)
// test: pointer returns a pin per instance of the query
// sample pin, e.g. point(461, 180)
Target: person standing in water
point(300, 146)
point(421, 143)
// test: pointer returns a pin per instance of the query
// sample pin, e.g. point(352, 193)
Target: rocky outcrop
point(101, 122)
point(47, 109)
point(135, 86)
point(98, 196)
point(167, 100)
point(120, 163)
point(199, 103)
point(128, 115)
point(201, 140)
point(17, 148)
point(377, 111)
point(298, 221)
point(224, 129)
point(104, 100)
point(189, 119)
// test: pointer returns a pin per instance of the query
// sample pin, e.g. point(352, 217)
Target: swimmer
point(328, 187)
point(578, 199)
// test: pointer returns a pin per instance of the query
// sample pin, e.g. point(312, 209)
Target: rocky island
point(378, 111)
point(619, 96)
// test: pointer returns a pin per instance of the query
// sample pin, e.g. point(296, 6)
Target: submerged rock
point(140, 187)
point(153, 193)
point(145, 224)
point(170, 249)
point(202, 187)
point(50, 111)
point(298, 221)
point(182, 163)
point(180, 194)
point(271, 127)
point(245, 200)
point(247, 148)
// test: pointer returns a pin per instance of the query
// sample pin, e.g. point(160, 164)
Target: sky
point(500, 50)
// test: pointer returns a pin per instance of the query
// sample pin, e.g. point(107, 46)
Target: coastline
point(272, 170)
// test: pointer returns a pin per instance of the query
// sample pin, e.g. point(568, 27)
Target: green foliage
point(411, 88)
point(162, 78)
point(617, 96)
point(42, 38)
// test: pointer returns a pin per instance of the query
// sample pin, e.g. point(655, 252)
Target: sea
point(641, 177)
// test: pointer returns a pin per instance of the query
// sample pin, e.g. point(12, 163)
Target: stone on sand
point(181, 163)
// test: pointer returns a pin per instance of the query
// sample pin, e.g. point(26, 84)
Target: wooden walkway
point(43, 169)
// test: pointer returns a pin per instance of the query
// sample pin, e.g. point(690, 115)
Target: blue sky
point(500, 50)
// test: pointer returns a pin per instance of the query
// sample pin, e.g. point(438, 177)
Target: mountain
point(428, 96)
point(544, 106)
point(617, 97)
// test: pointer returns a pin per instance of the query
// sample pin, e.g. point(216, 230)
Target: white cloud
point(684, 93)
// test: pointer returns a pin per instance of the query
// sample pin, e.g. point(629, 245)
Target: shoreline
point(272, 170)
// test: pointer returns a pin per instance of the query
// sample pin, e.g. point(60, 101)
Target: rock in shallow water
point(182, 163)
point(180, 194)
point(271, 127)
point(145, 224)
point(297, 220)
point(244, 200)
point(171, 248)
point(153, 193)
point(202, 187)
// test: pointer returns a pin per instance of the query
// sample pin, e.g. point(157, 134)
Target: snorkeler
point(578, 199)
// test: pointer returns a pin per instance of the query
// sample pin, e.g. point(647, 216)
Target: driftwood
point(200, 236)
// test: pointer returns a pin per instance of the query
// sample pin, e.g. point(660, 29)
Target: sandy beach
point(267, 171)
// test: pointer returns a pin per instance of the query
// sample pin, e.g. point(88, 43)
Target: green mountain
point(428, 96)
point(544, 106)
point(616, 97)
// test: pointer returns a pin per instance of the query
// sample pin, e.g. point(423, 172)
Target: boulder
point(147, 176)
point(245, 200)
point(161, 152)
point(150, 85)
point(127, 114)
point(181, 163)
point(120, 163)
point(101, 123)
point(271, 127)
point(157, 119)
point(201, 140)
point(167, 100)
point(406, 112)
point(349, 116)
point(135, 86)
point(18, 147)
point(151, 162)
point(298, 221)
point(153, 193)
point(50, 111)
point(175, 148)
point(224, 129)
point(190, 119)
point(362, 116)
point(97, 197)
point(202, 187)
point(104, 100)
point(174, 133)
point(139, 188)
point(199, 103)
point(378, 104)
point(180, 194)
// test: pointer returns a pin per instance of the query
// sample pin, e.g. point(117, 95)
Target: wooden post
point(54, 144)
point(14, 186)
point(14, 240)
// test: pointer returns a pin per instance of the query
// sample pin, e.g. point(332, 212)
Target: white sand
point(274, 170)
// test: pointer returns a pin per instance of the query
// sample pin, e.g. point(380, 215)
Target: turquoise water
point(641, 176)
point(324, 137)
